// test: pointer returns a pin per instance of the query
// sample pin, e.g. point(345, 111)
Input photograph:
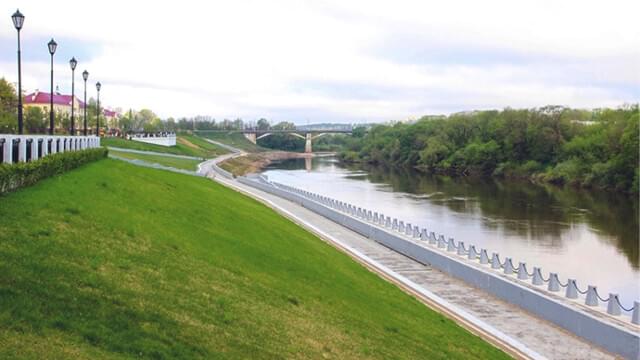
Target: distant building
point(61, 103)
point(111, 118)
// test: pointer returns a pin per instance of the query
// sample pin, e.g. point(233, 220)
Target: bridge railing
point(23, 148)
point(566, 304)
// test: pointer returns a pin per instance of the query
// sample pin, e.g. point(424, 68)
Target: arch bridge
point(254, 135)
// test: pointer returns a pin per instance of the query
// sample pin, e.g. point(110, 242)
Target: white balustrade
point(33, 147)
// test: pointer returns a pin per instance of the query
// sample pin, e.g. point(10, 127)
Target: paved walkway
point(153, 153)
point(154, 165)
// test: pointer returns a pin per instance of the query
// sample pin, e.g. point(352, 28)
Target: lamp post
point(73, 62)
point(52, 50)
point(85, 76)
point(98, 86)
point(18, 20)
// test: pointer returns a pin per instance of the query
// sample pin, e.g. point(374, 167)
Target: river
point(590, 236)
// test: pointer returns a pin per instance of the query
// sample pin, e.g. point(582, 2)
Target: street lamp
point(18, 20)
point(52, 50)
point(85, 76)
point(98, 86)
point(73, 62)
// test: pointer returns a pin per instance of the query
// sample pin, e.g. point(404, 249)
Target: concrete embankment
point(500, 322)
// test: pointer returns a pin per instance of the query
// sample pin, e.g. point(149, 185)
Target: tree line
point(555, 144)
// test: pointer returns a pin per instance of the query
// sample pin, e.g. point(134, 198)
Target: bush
point(18, 175)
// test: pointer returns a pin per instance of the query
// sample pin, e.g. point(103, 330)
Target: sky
point(331, 61)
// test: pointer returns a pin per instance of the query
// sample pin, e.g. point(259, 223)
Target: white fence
point(163, 139)
point(23, 148)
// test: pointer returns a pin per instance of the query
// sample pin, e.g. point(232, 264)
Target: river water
point(590, 236)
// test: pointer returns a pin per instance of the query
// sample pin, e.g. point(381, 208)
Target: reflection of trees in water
point(530, 211)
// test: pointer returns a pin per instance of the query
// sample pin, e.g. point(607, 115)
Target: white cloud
point(253, 58)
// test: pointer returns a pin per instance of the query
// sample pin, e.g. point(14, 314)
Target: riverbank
point(254, 162)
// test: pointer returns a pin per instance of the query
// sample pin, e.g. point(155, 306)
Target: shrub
point(18, 175)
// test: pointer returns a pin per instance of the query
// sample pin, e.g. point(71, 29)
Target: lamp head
point(18, 19)
point(98, 85)
point(85, 75)
point(52, 46)
point(73, 62)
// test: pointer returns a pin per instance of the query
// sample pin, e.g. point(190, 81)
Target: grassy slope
point(186, 164)
point(234, 139)
point(186, 145)
point(117, 261)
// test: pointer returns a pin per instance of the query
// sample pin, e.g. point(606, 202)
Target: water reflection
point(523, 209)
point(586, 235)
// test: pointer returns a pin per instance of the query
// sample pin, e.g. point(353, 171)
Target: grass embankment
point(118, 261)
point(234, 139)
point(186, 145)
point(178, 163)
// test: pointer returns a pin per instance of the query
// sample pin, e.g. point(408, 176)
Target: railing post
point(461, 251)
point(537, 276)
point(592, 297)
point(7, 150)
point(34, 148)
point(424, 236)
point(451, 246)
point(472, 253)
point(408, 229)
point(441, 242)
point(522, 271)
point(554, 283)
point(22, 149)
point(484, 257)
point(495, 261)
point(572, 289)
point(432, 238)
point(508, 266)
point(613, 308)
point(635, 316)
point(45, 146)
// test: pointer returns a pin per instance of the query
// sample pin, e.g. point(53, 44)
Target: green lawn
point(178, 163)
point(234, 139)
point(186, 145)
point(117, 261)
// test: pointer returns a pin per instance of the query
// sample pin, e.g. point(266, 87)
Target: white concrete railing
point(163, 139)
point(23, 148)
point(554, 285)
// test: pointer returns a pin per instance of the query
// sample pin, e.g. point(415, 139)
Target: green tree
point(8, 107)
point(35, 120)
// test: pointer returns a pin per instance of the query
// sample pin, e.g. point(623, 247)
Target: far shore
point(256, 162)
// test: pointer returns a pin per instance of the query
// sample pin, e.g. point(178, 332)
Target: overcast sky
point(338, 61)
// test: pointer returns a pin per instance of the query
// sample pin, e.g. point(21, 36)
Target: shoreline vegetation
point(558, 145)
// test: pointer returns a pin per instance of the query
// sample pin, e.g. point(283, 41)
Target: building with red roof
point(61, 103)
